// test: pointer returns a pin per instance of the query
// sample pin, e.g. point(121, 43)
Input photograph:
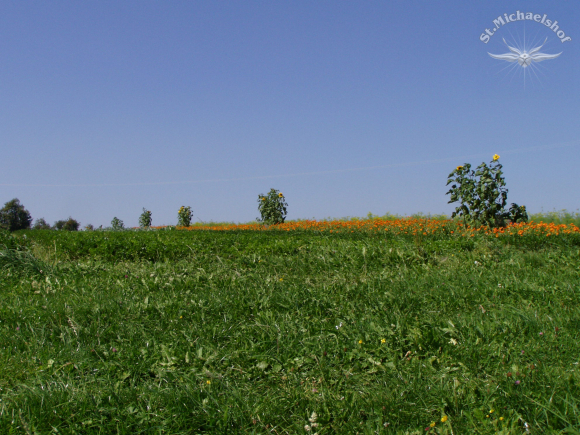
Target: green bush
point(69, 225)
point(13, 216)
point(41, 224)
point(7, 241)
point(272, 208)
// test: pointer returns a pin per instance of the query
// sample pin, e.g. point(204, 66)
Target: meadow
point(377, 326)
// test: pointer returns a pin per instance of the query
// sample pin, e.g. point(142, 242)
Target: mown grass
point(182, 332)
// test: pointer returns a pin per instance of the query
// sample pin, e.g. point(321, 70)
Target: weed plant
point(187, 332)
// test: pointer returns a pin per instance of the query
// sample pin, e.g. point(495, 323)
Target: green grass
point(557, 217)
point(251, 332)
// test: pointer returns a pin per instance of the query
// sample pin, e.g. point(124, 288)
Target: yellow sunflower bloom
point(495, 157)
point(280, 195)
point(459, 168)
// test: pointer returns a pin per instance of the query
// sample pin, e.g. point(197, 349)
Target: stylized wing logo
point(524, 58)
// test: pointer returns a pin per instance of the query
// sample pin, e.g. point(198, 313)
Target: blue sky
point(345, 107)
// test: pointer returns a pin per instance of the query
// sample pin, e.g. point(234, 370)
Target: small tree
point(13, 216)
point(145, 219)
point(71, 225)
point(117, 224)
point(272, 208)
point(41, 224)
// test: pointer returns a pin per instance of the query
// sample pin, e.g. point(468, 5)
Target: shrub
point(7, 241)
point(145, 219)
point(13, 216)
point(59, 224)
point(272, 208)
point(483, 196)
point(69, 225)
point(184, 216)
point(117, 224)
point(41, 224)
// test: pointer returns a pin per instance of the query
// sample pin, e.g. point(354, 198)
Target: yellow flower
point(443, 419)
point(432, 424)
point(181, 317)
point(459, 168)
point(208, 382)
point(280, 195)
point(360, 342)
point(281, 279)
point(501, 419)
point(495, 157)
point(263, 199)
point(383, 340)
point(491, 411)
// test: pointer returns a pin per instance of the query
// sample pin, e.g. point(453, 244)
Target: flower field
point(377, 326)
point(400, 227)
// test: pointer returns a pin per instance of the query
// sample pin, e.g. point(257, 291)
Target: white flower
point(313, 418)
point(307, 428)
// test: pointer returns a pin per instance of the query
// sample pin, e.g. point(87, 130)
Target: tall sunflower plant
point(184, 216)
point(272, 208)
point(482, 196)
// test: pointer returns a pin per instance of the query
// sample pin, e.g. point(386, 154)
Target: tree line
point(13, 217)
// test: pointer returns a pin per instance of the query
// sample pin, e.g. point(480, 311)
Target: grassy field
point(419, 328)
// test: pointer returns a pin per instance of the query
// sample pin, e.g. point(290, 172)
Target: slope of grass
point(252, 332)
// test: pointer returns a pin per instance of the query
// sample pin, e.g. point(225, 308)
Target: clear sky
point(346, 107)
